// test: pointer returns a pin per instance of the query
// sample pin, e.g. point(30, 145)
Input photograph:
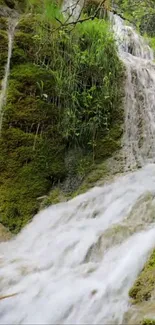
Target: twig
point(74, 23)
point(84, 19)
point(9, 296)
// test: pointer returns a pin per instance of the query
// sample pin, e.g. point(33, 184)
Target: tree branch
point(79, 21)
point(65, 24)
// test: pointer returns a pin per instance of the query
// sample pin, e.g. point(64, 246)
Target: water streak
point(3, 94)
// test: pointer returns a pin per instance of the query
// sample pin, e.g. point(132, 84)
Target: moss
point(91, 174)
point(144, 285)
point(32, 151)
point(97, 172)
point(3, 23)
point(3, 50)
point(110, 143)
point(46, 151)
point(24, 43)
point(23, 48)
point(27, 23)
point(148, 322)
point(18, 56)
point(55, 196)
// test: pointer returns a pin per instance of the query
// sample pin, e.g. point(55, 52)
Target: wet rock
point(138, 313)
point(5, 234)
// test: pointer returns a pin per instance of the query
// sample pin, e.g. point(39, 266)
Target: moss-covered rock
point(148, 322)
point(5, 234)
point(3, 50)
point(58, 95)
point(145, 284)
point(110, 143)
point(82, 178)
point(32, 152)
point(3, 23)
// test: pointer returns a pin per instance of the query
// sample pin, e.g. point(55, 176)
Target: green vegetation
point(82, 176)
point(148, 322)
point(64, 110)
point(144, 285)
point(63, 116)
point(140, 12)
point(3, 49)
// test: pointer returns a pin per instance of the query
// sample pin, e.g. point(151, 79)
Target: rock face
point(142, 313)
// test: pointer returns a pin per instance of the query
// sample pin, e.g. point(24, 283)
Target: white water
point(71, 266)
point(76, 261)
point(3, 93)
point(139, 135)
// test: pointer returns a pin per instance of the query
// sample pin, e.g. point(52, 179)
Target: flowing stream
point(3, 94)
point(76, 261)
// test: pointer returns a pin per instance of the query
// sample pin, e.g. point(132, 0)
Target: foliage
point(87, 83)
point(4, 50)
point(140, 12)
point(148, 322)
point(65, 95)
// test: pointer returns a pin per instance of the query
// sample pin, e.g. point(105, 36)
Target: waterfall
point(76, 261)
point(139, 135)
point(3, 94)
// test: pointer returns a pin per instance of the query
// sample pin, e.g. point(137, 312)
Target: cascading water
point(76, 261)
point(11, 28)
point(139, 135)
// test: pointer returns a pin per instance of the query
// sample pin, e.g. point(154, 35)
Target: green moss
point(110, 143)
point(148, 322)
point(3, 23)
point(55, 196)
point(144, 285)
point(58, 95)
point(32, 152)
point(96, 172)
point(3, 51)
point(27, 23)
point(91, 174)
point(23, 48)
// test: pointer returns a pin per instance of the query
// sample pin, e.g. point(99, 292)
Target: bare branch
point(68, 23)
point(65, 24)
